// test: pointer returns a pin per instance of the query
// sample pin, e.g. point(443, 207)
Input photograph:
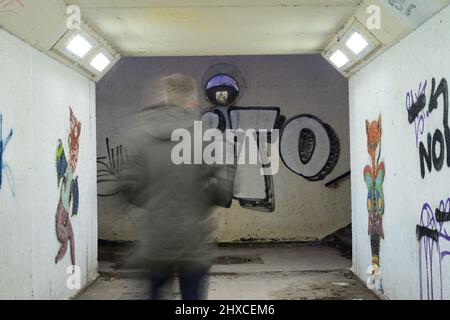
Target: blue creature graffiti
point(5, 169)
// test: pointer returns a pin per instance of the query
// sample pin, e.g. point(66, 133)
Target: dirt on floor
point(253, 272)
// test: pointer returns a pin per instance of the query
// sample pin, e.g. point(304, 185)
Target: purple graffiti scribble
point(431, 241)
point(419, 122)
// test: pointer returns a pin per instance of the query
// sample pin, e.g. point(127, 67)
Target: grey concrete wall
point(297, 84)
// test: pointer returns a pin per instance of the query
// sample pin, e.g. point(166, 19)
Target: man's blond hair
point(178, 89)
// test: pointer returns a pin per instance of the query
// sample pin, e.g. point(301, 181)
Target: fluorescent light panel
point(356, 43)
point(79, 46)
point(339, 59)
point(100, 62)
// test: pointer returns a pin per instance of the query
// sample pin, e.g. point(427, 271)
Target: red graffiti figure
point(68, 190)
point(374, 177)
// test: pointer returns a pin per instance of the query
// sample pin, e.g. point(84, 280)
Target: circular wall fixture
point(222, 90)
point(223, 84)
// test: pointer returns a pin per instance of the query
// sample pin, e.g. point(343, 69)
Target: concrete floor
point(286, 272)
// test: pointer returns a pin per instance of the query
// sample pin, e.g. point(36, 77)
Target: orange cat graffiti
point(374, 177)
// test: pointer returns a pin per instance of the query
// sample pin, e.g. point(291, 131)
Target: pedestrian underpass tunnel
point(288, 206)
point(348, 133)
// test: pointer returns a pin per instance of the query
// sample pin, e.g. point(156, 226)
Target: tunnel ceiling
point(212, 27)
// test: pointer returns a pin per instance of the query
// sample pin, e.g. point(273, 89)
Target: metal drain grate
point(276, 274)
point(230, 260)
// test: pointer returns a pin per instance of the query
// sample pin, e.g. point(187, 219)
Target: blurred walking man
point(177, 199)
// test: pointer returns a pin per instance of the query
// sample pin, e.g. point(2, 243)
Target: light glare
point(356, 43)
point(79, 46)
point(339, 59)
point(100, 62)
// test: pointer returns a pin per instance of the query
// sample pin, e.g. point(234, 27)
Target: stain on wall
point(68, 190)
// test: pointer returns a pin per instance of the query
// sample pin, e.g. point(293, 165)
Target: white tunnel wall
point(16, 203)
point(388, 87)
point(35, 95)
point(304, 84)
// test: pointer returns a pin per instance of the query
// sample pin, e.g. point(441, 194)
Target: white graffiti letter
point(270, 156)
point(74, 280)
point(73, 22)
point(374, 20)
point(247, 146)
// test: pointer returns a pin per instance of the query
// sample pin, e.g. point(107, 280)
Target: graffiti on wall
point(403, 7)
point(374, 177)
point(109, 169)
point(68, 189)
point(307, 146)
point(435, 152)
point(413, 12)
point(4, 4)
point(318, 148)
point(5, 169)
point(419, 116)
point(253, 190)
point(434, 248)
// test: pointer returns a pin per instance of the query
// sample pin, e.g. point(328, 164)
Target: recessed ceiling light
point(339, 59)
point(357, 43)
point(79, 46)
point(100, 62)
